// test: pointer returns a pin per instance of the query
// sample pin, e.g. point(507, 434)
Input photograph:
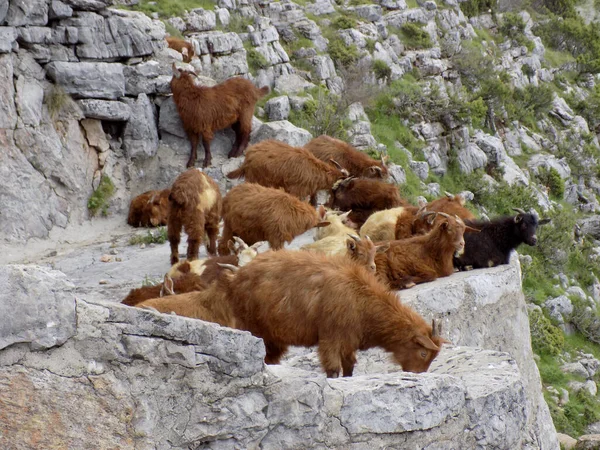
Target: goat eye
point(423, 354)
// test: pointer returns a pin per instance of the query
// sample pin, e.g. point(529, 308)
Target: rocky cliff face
point(73, 371)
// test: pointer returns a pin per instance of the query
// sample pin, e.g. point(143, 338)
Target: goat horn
point(426, 214)
point(355, 237)
point(368, 239)
point(433, 328)
point(383, 160)
point(229, 266)
point(448, 194)
point(336, 164)
point(458, 219)
point(377, 169)
point(444, 214)
point(240, 242)
point(519, 210)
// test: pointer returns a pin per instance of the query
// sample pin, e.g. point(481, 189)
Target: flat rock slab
point(89, 79)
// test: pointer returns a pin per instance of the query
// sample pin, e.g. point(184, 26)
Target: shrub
point(56, 99)
point(343, 55)
point(382, 70)
point(370, 45)
point(473, 8)
point(545, 338)
point(327, 114)
point(101, 196)
point(158, 236)
point(343, 23)
point(256, 60)
point(550, 178)
point(513, 27)
point(414, 37)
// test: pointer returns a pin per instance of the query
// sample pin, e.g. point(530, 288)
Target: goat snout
point(373, 268)
point(533, 240)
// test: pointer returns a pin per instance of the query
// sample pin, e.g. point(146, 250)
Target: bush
point(382, 70)
point(56, 99)
point(101, 196)
point(550, 178)
point(343, 23)
point(327, 114)
point(473, 8)
point(546, 339)
point(256, 60)
point(343, 55)
point(414, 37)
point(513, 27)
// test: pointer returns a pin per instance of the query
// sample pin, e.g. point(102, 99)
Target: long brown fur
point(357, 163)
point(256, 213)
point(210, 304)
point(179, 44)
point(150, 209)
point(275, 164)
point(195, 206)
point(422, 258)
point(186, 283)
point(364, 196)
point(204, 110)
point(299, 298)
point(454, 205)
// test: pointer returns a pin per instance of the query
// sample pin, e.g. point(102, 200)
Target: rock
point(200, 20)
point(278, 108)
point(281, 130)
point(589, 386)
point(591, 226)
point(40, 324)
point(577, 292)
point(89, 5)
point(575, 368)
point(8, 39)
point(291, 84)
point(27, 12)
point(550, 161)
point(566, 441)
point(324, 68)
point(397, 173)
point(140, 137)
point(29, 99)
point(223, 16)
point(3, 11)
point(559, 308)
point(320, 7)
point(89, 79)
point(420, 168)
point(591, 365)
point(491, 146)
point(471, 158)
point(8, 112)
point(561, 110)
point(95, 134)
point(59, 10)
point(371, 13)
point(588, 442)
point(105, 109)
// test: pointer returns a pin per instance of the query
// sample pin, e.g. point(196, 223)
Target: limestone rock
point(89, 5)
point(45, 303)
point(397, 173)
point(105, 109)
point(29, 99)
point(471, 158)
point(3, 10)
point(575, 368)
point(559, 308)
point(420, 168)
point(588, 442)
point(291, 84)
point(278, 108)
point(27, 12)
point(8, 39)
point(200, 20)
point(566, 441)
point(550, 161)
point(281, 130)
point(8, 112)
point(89, 79)
point(59, 10)
point(590, 226)
point(140, 138)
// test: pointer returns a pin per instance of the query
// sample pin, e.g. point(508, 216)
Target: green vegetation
point(382, 70)
point(344, 22)
point(556, 58)
point(239, 23)
point(473, 8)
point(99, 201)
point(546, 339)
point(549, 177)
point(343, 55)
point(56, 99)
point(589, 108)
point(296, 44)
point(413, 36)
point(256, 60)
point(513, 27)
point(157, 236)
point(172, 31)
point(370, 45)
point(171, 8)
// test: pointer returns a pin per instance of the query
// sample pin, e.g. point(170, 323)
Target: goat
point(422, 258)
point(496, 239)
point(304, 299)
point(360, 250)
point(203, 110)
point(276, 164)
point(149, 209)
point(384, 225)
point(337, 224)
point(363, 197)
point(452, 205)
point(257, 213)
point(357, 163)
point(210, 305)
point(186, 283)
point(182, 46)
point(194, 205)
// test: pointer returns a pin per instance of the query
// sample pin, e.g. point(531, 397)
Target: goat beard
point(459, 252)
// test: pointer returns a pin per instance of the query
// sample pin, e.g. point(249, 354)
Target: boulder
point(566, 441)
point(550, 161)
point(200, 20)
point(89, 5)
point(292, 84)
point(278, 108)
point(590, 226)
point(105, 109)
point(29, 99)
point(281, 130)
point(8, 111)
point(27, 12)
point(140, 137)
point(397, 173)
point(3, 11)
point(471, 158)
point(89, 79)
point(59, 10)
point(559, 308)
point(420, 168)
point(588, 442)
point(8, 39)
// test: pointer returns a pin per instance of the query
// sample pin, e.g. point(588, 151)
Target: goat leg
point(193, 249)
point(348, 362)
point(194, 143)
point(243, 144)
point(207, 155)
point(274, 352)
point(238, 139)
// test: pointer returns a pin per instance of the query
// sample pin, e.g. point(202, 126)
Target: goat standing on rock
point(204, 110)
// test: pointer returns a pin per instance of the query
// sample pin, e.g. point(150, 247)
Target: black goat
point(493, 244)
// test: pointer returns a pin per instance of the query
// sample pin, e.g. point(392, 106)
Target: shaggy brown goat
point(204, 110)
point(357, 163)
point(195, 205)
point(422, 258)
point(149, 209)
point(300, 298)
point(278, 165)
point(187, 283)
point(360, 250)
point(337, 224)
point(257, 213)
point(363, 197)
point(184, 47)
point(452, 205)
point(210, 305)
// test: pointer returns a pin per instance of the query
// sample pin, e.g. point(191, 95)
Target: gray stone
point(3, 11)
point(29, 99)
point(491, 145)
point(291, 84)
point(27, 12)
point(140, 137)
point(35, 35)
point(397, 173)
point(566, 441)
point(324, 68)
point(88, 79)
point(143, 78)
point(356, 113)
point(550, 161)
point(371, 13)
point(200, 20)
point(591, 364)
point(588, 442)
point(59, 10)
point(281, 130)
point(577, 292)
point(420, 168)
point(8, 39)
point(589, 386)
point(590, 226)
point(223, 16)
point(561, 110)
point(45, 303)
point(278, 108)
point(320, 7)
point(88, 5)
point(105, 109)
point(8, 112)
point(575, 368)
point(559, 308)
point(471, 158)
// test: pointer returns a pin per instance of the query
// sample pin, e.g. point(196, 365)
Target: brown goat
point(149, 209)
point(257, 213)
point(364, 196)
point(414, 222)
point(204, 110)
point(276, 164)
point(357, 163)
point(210, 305)
point(422, 258)
point(452, 205)
point(299, 298)
point(360, 250)
point(184, 47)
point(186, 283)
point(194, 205)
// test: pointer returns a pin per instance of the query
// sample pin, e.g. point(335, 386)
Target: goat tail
point(179, 197)
point(263, 91)
point(238, 173)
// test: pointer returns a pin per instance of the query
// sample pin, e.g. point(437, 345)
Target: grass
point(172, 31)
point(157, 236)
point(413, 36)
point(171, 8)
point(56, 99)
point(99, 201)
point(412, 4)
point(557, 58)
point(256, 60)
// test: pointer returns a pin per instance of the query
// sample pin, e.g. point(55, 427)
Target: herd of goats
point(337, 292)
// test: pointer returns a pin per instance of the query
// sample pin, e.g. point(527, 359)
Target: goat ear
point(544, 221)
point(518, 218)
point(382, 248)
point(167, 287)
point(322, 212)
point(231, 246)
point(350, 244)
point(322, 224)
point(426, 342)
